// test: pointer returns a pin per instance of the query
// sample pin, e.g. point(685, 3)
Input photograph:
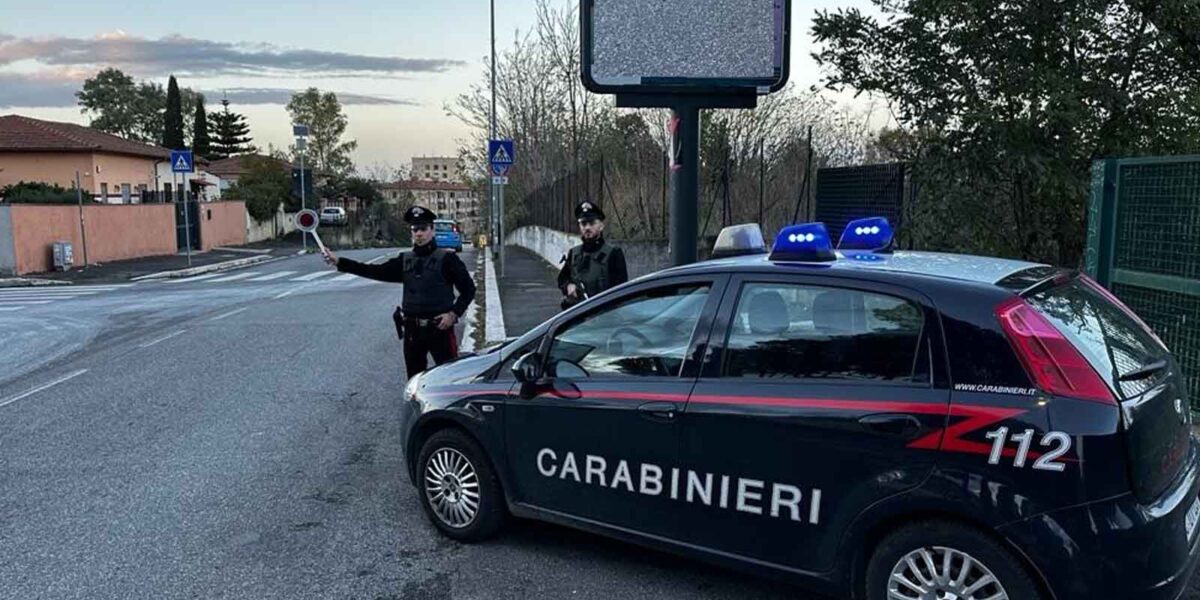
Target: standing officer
point(425, 321)
point(594, 265)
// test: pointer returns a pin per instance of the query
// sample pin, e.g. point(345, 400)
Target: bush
point(263, 187)
point(38, 193)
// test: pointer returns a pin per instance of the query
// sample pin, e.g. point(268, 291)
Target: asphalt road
point(235, 437)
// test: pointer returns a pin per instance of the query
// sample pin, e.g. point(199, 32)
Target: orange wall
point(115, 170)
point(59, 168)
point(222, 224)
point(114, 232)
point(47, 167)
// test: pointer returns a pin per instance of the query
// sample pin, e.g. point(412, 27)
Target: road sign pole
point(501, 228)
point(187, 218)
point(303, 200)
point(685, 183)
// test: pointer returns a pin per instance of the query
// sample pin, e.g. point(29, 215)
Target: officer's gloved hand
point(330, 258)
point(571, 290)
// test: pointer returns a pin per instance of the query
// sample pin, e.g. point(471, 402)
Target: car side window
point(645, 335)
point(787, 331)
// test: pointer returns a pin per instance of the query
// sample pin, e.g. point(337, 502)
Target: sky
point(394, 64)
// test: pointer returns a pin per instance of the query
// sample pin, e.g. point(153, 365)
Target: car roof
point(875, 265)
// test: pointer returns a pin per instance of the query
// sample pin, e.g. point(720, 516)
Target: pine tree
point(173, 120)
point(231, 134)
point(201, 145)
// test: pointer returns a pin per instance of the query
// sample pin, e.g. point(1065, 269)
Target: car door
point(816, 399)
point(597, 436)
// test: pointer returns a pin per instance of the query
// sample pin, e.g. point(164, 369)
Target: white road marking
point(228, 314)
point(235, 277)
point(49, 293)
point(274, 276)
point(2, 303)
point(10, 308)
point(163, 338)
point(346, 277)
point(196, 278)
point(42, 387)
point(314, 275)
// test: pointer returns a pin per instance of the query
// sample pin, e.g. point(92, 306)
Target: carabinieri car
point(868, 423)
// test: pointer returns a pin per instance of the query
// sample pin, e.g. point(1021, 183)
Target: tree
point(200, 142)
point(232, 134)
point(122, 107)
point(1004, 105)
point(264, 186)
point(173, 120)
point(327, 153)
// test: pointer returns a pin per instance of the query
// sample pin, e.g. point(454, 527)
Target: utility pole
point(495, 207)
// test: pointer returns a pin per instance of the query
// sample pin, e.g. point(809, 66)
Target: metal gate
point(848, 193)
point(1144, 245)
point(182, 225)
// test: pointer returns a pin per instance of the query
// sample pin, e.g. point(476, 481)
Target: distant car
point(333, 216)
point(447, 234)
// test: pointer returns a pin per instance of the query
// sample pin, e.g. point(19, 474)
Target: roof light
point(808, 242)
point(873, 234)
point(739, 240)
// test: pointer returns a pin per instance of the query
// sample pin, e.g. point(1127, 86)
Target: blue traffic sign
point(501, 152)
point(181, 161)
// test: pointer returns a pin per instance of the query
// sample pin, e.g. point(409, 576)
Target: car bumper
point(1116, 548)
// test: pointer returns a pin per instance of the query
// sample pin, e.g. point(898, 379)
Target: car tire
point(458, 487)
point(889, 565)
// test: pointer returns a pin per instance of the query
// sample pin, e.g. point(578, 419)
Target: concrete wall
point(283, 224)
point(641, 257)
point(222, 224)
point(114, 232)
point(47, 167)
point(8, 257)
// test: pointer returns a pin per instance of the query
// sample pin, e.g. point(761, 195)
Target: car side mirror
point(528, 368)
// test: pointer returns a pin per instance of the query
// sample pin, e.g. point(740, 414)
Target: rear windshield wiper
point(1144, 371)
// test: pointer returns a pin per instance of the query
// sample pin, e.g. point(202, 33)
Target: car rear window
point(1112, 341)
point(443, 226)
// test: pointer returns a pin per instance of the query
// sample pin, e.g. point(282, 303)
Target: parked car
point(447, 234)
point(333, 216)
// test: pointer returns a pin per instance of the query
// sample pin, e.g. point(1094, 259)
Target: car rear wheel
point(939, 560)
point(458, 488)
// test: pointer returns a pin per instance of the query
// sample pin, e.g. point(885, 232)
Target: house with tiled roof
point(111, 168)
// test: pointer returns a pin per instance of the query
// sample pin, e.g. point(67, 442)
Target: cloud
point(21, 89)
point(190, 56)
point(283, 95)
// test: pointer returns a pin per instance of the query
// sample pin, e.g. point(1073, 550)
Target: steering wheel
point(613, 346)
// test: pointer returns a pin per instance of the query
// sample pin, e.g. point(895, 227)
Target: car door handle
point(658, 411)
point(904, 426)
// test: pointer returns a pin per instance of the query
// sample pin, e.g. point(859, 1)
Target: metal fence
point(848, 193)
point(1144, 244)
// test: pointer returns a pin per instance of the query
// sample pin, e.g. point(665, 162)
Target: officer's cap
point(588, 210)
point(419, 215)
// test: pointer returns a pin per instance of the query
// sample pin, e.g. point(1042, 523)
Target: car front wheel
point(458, 488)
point(936, 560)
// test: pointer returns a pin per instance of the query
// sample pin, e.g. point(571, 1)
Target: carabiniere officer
point(425, 321)
point(593, 266)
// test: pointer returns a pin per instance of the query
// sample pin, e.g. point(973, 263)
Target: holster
point(398, 319)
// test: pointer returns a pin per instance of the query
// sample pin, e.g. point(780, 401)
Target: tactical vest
point(590, 268)
point(427, 293)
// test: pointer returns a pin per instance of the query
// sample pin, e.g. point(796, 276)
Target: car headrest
point(768, 314)
point(833, 312)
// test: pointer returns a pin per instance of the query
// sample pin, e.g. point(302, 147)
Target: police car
point(869, 423)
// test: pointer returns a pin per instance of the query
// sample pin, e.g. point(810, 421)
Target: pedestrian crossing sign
point(181, 161)
point(501, 152)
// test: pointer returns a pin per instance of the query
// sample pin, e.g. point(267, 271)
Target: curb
point(30, 282)
point(213, 268)
point(495, 312)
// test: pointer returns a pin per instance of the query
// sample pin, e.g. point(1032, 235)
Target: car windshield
point(443, 227)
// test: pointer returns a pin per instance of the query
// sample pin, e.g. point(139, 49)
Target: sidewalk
point(528, 291)
point(124, 270)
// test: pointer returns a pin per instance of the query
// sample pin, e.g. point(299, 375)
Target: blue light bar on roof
point(873, 234)
point(808, 242)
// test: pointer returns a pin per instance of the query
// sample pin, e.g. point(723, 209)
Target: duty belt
point(421, 322)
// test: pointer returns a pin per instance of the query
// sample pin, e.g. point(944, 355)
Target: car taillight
point(1055, 365)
